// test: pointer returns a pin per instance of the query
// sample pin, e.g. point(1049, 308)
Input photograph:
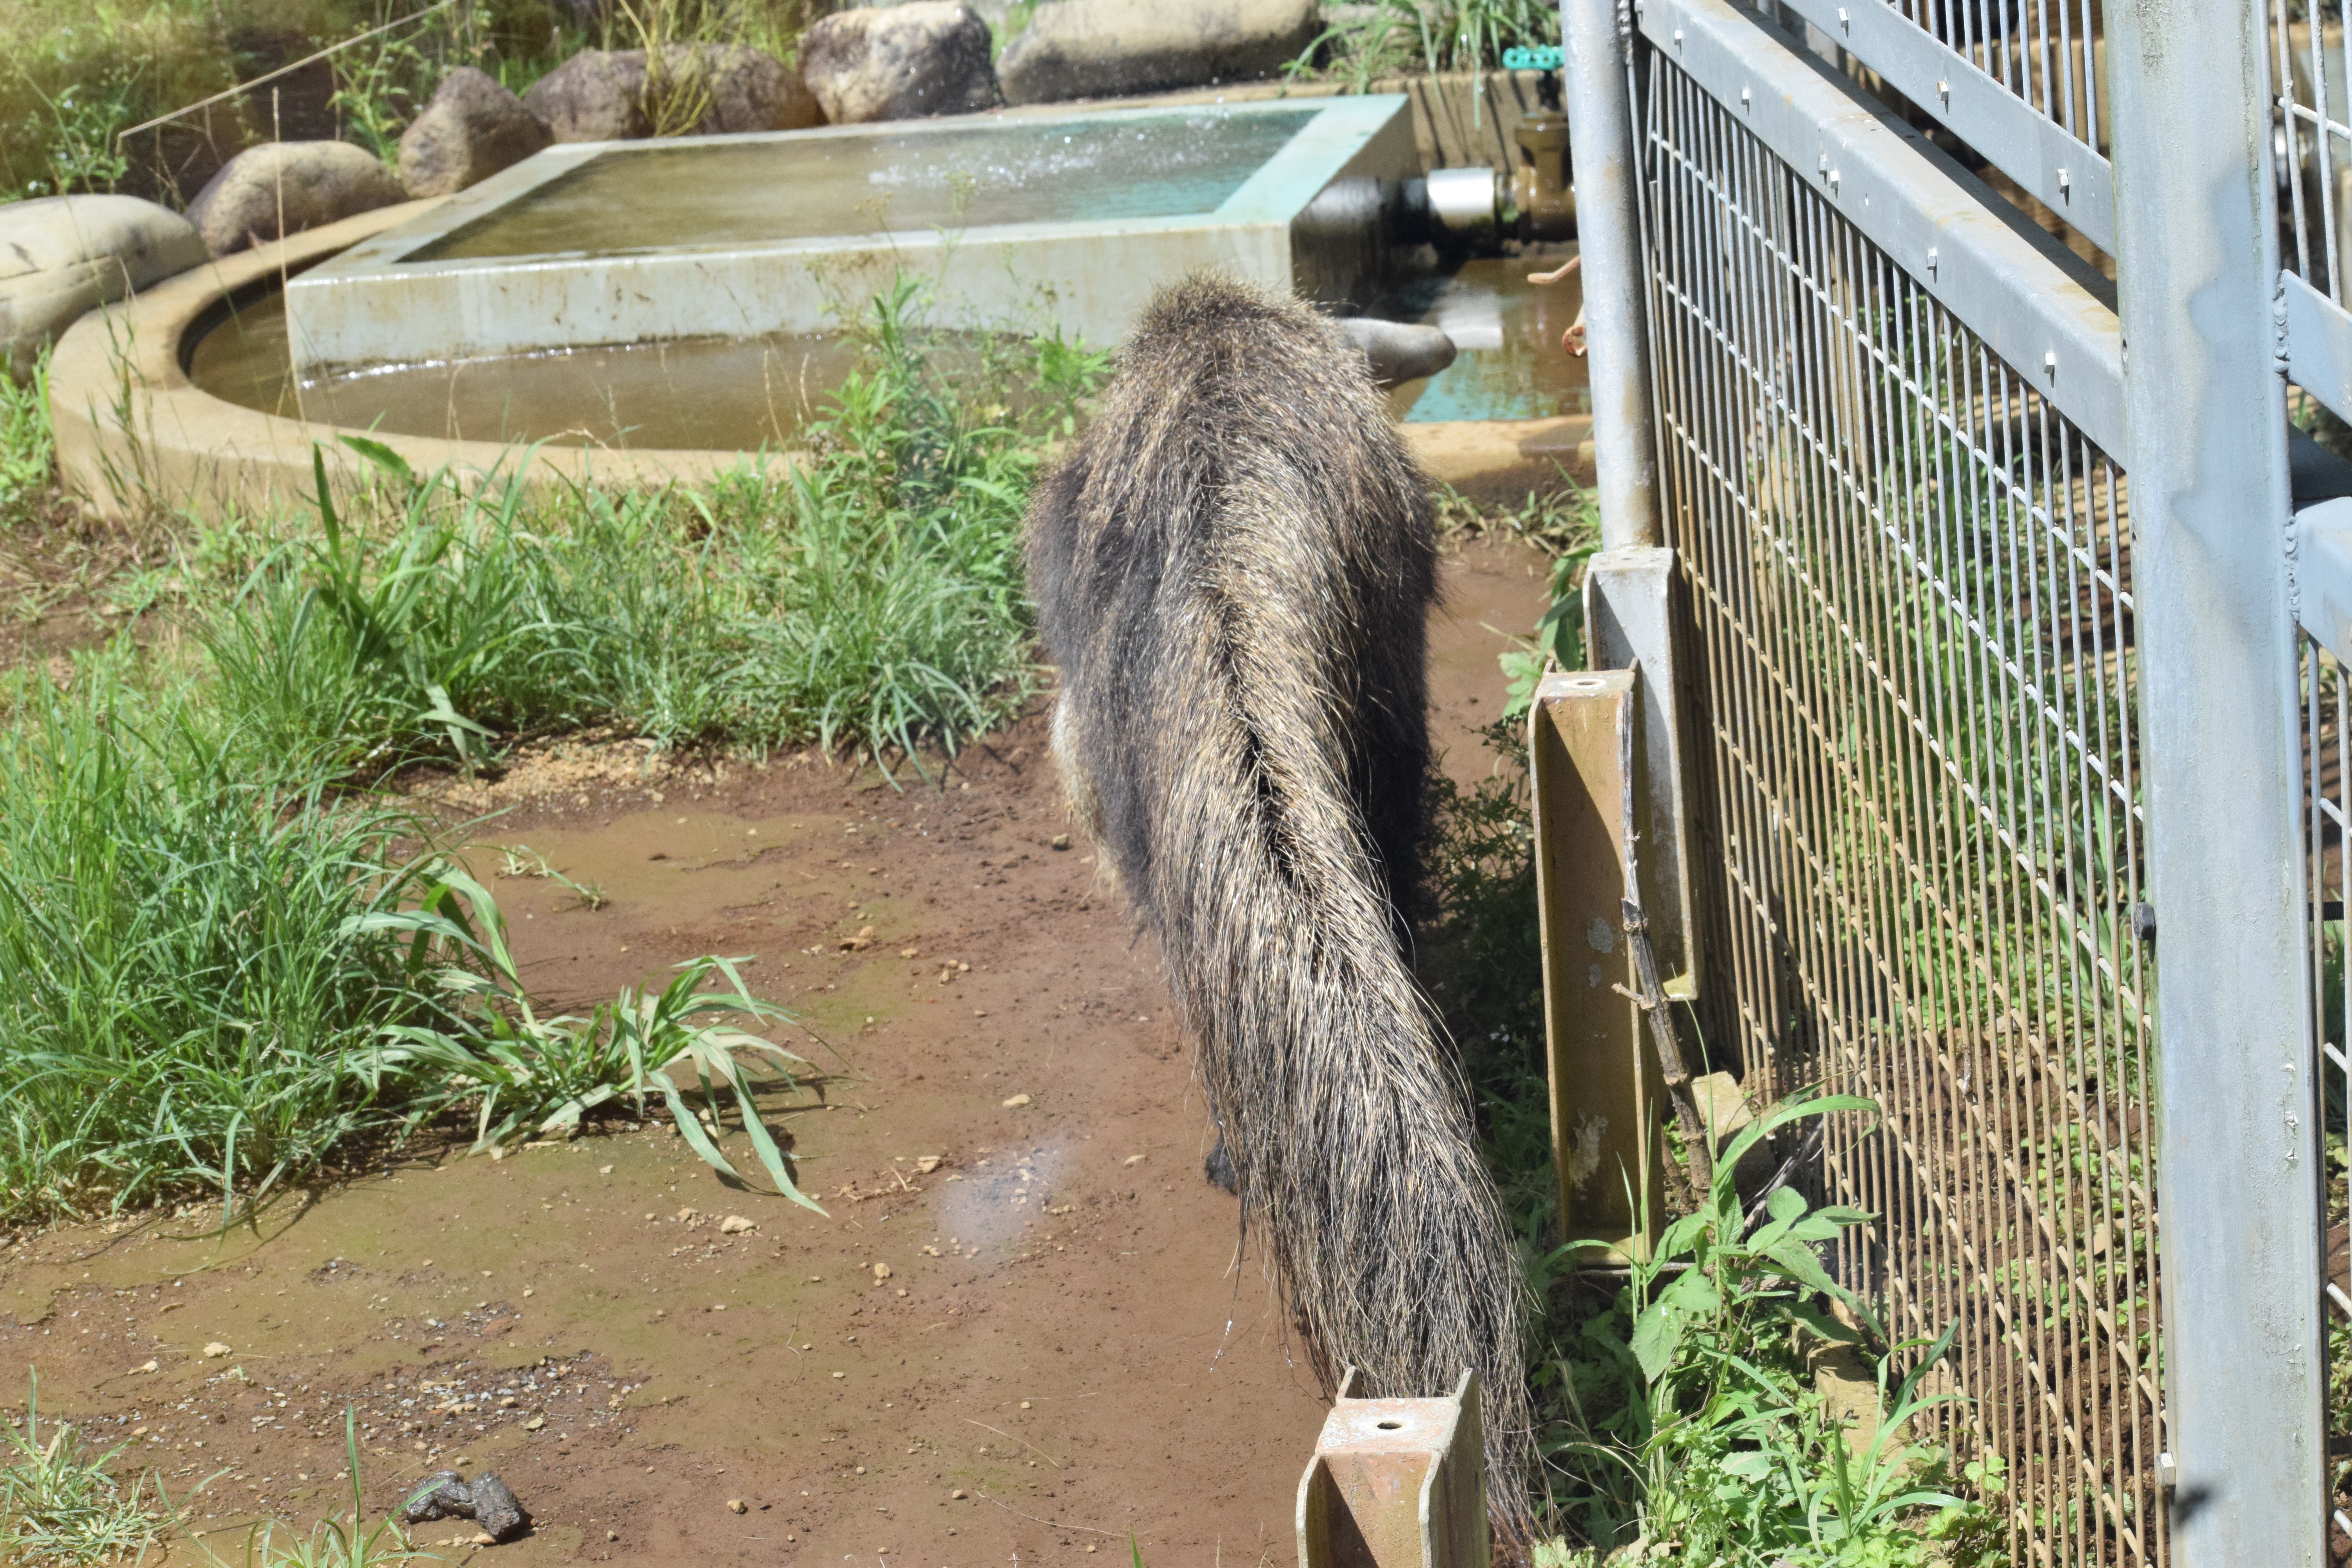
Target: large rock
point(900, 62)
point(749, 89)
point(471, 130)
point(60, 256)
point(596, 96)
point(1098, 48)
point(279, 188)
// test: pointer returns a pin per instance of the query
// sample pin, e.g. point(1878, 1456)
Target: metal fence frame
point(2157, 138)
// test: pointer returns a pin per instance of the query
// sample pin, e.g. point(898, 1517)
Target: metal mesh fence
point(2313, 99)
point(2327, 704)
point(2047, 52)
point(1910, 583)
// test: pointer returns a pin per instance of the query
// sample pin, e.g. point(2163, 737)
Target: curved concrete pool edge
point(134, 434)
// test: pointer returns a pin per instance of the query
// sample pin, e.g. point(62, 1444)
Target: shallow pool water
point(746, 393)
point(1510, 364)
point(721, 394)
point(644, 198)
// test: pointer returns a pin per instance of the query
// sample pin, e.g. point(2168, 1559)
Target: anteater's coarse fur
point(1233, 570)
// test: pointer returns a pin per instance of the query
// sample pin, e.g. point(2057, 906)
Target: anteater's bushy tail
point(1233, 570)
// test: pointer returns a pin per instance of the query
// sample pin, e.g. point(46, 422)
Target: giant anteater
point(1233, 569)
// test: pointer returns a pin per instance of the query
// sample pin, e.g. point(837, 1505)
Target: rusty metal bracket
point(1396, 1483)
point(1607, 1100)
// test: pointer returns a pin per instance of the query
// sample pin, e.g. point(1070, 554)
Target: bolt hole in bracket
point(1396, 1483)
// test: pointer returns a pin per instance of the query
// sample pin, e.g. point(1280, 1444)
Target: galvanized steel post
point(2220, 737)
point(1608, 230)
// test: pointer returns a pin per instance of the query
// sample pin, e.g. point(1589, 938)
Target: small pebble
point(881, 1271)
point(1061, 841)
point(735, 1225)
point(214, 1351)
point(957, 1494)
point(1017, 1099)
point(737, 1505)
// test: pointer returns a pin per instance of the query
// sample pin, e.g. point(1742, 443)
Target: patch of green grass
point(217, 976)
point(187, 990)
point(1399, 38)
point(868, 597)
point(27, 442)
point(61, 1504)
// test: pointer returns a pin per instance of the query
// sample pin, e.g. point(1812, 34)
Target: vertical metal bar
point(2197, 255)
point(1601, 149)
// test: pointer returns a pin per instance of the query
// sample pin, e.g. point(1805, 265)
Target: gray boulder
point(60, 256)
point(900, 62)
point(597, 96)
point(1398, 352)
point(594, 96)
point(279, 188)
point(471, 130)
point(1101, 49)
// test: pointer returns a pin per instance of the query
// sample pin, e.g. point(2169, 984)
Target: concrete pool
point(1077, 215)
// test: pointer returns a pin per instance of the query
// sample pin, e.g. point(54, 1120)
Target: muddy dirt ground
point(1027, 1331)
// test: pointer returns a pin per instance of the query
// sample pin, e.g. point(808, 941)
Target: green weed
point(529, 1075)
point(27, 442)
point(1687, 1411)
point(335, 1541)
point(60, 1504)
point(1394, 38)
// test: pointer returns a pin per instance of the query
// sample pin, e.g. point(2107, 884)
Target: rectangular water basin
point(1039, 217)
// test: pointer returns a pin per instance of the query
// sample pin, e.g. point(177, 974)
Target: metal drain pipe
point(1595, 45)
